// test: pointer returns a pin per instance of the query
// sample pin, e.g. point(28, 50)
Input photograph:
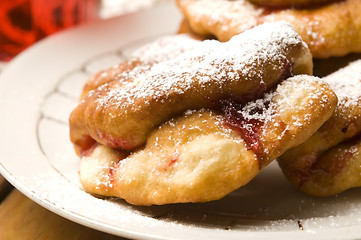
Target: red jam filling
point(115, 142)
point(86, 146)
point(173, 161)
point(113, 169)
point(249, 129)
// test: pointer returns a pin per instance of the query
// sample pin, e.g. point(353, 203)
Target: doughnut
point(162, 49)
point(184, 28)
point(329, 162)
point(121, 114)
point(332, 29)
point(202, 155)
point(290, 3)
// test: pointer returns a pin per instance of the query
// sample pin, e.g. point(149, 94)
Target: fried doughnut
point(204, 155)
point(329, 162)
point(184, 28)
point(121, 114)
point(329, 30)
point(162, 49)
point(290, 3)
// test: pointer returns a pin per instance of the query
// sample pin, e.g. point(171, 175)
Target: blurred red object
point(23, 22)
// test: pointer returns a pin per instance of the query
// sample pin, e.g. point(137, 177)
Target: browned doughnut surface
point(122, 113)
point(332, 29)
point(204, 155)
point(329, 162)
point(163, 49)
point(184, 28)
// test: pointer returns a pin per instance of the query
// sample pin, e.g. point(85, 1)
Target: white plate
point(40, 88)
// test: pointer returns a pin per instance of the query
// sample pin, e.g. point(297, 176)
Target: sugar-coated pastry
point(203, 155)
point(184, 28)
point(329, 162)
point(332, 29)
point(162, 49)
point(123, 113)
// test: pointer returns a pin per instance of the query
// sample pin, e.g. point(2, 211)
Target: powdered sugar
point(162, 49)
point(226, 18)
point(239, 15)
point(346, 83)
point(251, 110)
point(211, 63)
point(289, 91)
point(292, 105)
point(165, 48)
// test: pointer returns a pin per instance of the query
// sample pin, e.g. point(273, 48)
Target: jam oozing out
point(248, 128)
point(115, 142)
point(110, 177)
point(86, 145)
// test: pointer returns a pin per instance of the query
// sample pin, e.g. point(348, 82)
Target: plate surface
point(40, 88)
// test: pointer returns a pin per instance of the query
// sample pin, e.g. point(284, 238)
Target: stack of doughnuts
point(190, 118)
point(199, 120)
point(329, 161)
point(329, 27)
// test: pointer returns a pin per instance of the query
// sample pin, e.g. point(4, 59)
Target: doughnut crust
point(329, 162)
point(122, 113)
point(162, 49)
point(332, 29)
point(205, 154)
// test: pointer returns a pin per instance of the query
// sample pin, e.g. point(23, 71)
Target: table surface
point(20, 216)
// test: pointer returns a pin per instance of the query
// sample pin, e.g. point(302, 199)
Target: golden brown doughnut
point(329, 30)
point(329, 162)
point(204, 155)
point(162, 49)
point(122, 114)
point(184, 28)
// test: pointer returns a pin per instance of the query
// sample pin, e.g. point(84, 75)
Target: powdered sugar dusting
point(251, 110)
point(239, 15)
point(162, 49)
point(281, 100)
point(310, 30)
point(165, 48)
point(287, 107)
point(346, 83)
point(212, 63)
